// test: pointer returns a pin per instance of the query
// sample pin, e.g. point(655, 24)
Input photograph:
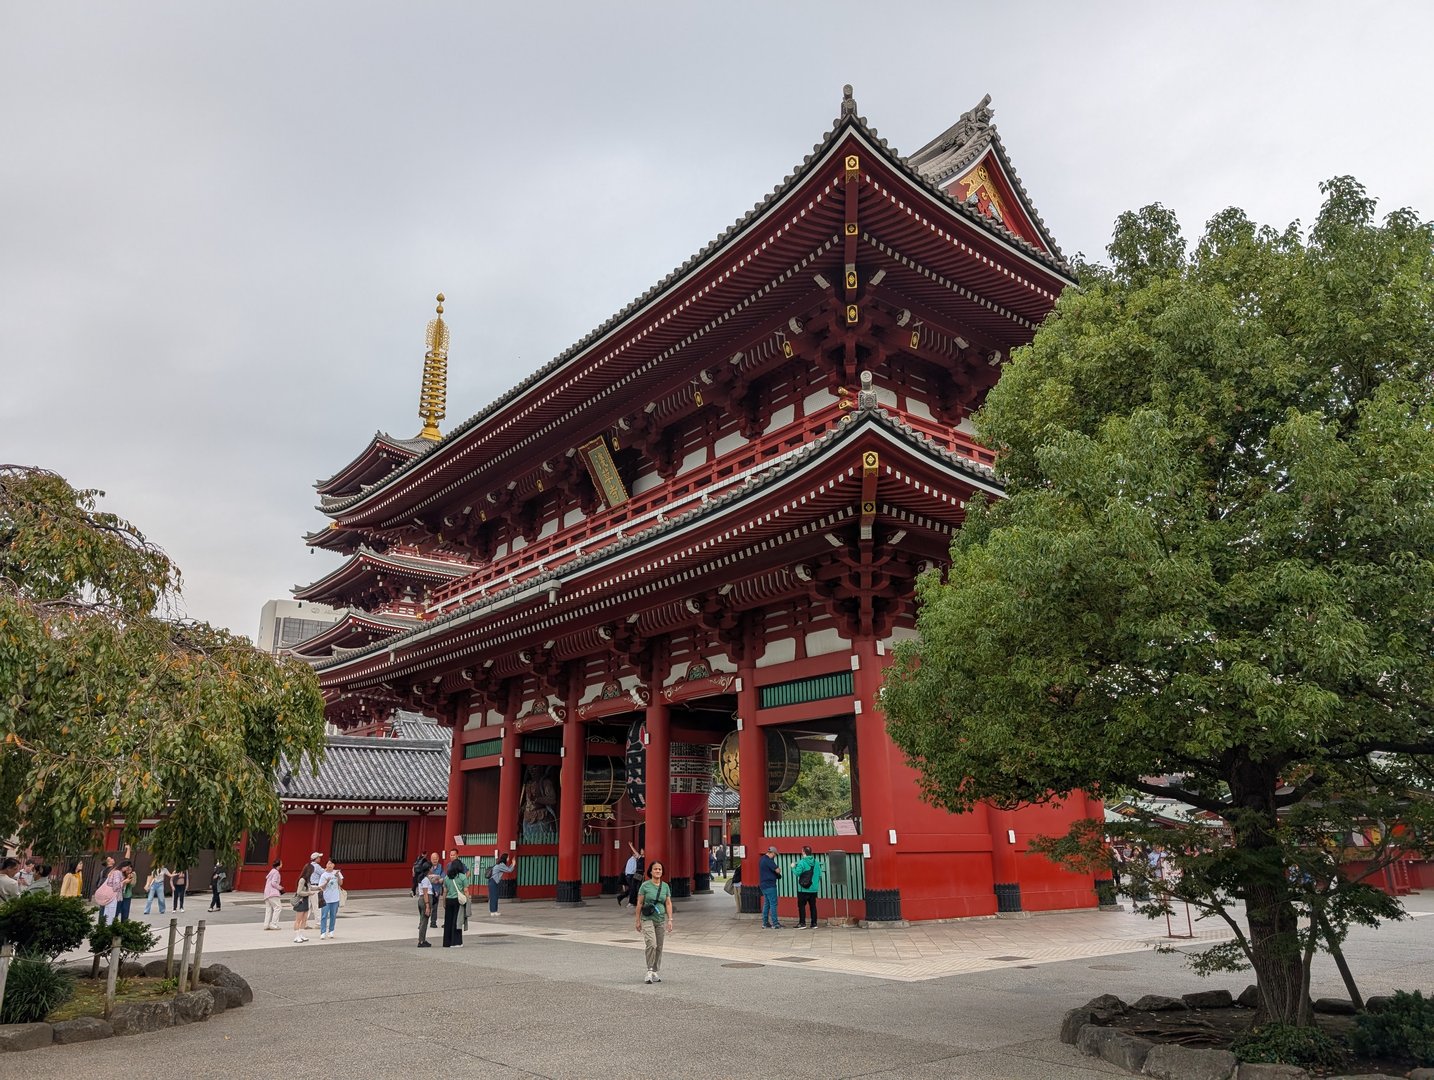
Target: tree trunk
point(1269, 914)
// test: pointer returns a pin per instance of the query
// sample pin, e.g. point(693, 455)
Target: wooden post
point(112, 975)
point(6, 953)
point(184, 958)
point(169, 956)
point(198, 956)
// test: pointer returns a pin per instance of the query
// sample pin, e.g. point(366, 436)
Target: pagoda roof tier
point(775, 264)
point(345, 541)
point(777, 524)
point(355, 629)
point(381, 456)
point(367, 570)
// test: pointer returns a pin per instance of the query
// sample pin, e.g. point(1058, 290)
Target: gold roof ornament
point(433, 395)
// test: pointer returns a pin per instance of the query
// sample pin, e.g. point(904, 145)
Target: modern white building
point(285, 623)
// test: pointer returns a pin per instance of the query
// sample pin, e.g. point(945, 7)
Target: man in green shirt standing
point(808, 872)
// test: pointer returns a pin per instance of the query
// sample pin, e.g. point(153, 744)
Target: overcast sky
point(222, 225)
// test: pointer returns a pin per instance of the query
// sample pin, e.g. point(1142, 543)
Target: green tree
point(821, 790)
point(109, 709)
point(1211, 578)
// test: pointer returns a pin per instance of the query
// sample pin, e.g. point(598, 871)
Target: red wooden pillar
point(657, 799)
point(701, 863)
point(570, 810)
point(510, 785)
point(454, 823)
point(874, 777)
point(1005, 872)
point(752, 793)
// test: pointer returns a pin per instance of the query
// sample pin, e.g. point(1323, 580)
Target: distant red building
point(702, 524)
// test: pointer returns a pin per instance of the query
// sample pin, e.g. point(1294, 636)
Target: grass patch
point(89, 999)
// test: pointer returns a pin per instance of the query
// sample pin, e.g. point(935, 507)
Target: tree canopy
point(821, 790)
point(111, 709)
point(1213, 574)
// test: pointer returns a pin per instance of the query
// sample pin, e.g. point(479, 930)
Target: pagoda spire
point(433, 394)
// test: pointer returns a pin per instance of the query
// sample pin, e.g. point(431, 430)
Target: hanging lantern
point(784, 761)
point(691, 772)
point(603, 781)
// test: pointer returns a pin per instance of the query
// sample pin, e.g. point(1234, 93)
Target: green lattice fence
point(591, 866)
point(855, 872)
point(487, 748)
point(804, 827)
point(800, 691)
point(537, 870)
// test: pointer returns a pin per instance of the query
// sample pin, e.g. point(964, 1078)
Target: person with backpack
point(216, 879)
point(809, 883)
point(455, 895)
point(654, 918)
point(107, 893)
point(420, 872)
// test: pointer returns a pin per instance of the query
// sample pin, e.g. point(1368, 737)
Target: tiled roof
point(412, 725)
point(847, 120)
point(863, 415)
point(371, 770)
point(723, 798)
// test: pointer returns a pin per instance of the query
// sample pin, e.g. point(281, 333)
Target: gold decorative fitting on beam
point(853, 166)
point(853, 314)
point(433, 394)
point(851, 228)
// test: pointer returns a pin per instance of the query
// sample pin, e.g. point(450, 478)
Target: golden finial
point(433, 395)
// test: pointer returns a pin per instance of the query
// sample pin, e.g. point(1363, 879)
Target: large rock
point(155, 969)
point(1208, 999)
point(24, 1036)
point(1158, 1003)
point(219, 975)
point(1263, 1070)
point(1171, 1062)
point(231, 997)
point(133, 1017)
point(1114, 1046)
point(82, 1029)
point(1106, 1008)
point(131, 969)
point(194, 1005)
point(1334, 1006)
point(1421, 1074)
point(1249, 997)
point(1074, 1021)
point(1378, 1003)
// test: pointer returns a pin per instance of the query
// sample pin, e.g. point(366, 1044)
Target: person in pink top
point(273, 892)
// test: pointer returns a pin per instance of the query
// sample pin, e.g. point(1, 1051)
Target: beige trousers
point(652, 934)
point(271, 911)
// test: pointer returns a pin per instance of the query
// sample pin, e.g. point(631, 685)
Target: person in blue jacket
point(769, 873)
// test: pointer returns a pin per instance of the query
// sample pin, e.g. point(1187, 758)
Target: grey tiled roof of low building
point(371, 770)
point(412, 725)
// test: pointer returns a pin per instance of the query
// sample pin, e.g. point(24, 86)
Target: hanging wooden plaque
point(603, 470)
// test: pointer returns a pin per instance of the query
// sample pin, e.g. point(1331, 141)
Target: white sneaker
point(650, 978)
point(323, 934)
point(298, 939)
point(656, 977)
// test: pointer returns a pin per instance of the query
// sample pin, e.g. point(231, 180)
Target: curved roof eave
point(849, 122)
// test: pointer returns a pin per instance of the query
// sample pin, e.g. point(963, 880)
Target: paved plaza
point(549, 992)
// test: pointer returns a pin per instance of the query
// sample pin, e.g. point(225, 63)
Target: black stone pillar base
point(751, 900)
point(570, 893)
point(508, 890)
point(681, 888)
point(1008, 897)
point(883, 905)
point(610, 886)
point(702, 883)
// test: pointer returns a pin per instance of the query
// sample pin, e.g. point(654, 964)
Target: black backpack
point(804, 879)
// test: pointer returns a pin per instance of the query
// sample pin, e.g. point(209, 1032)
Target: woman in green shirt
point(455, 895)
point(654, 917)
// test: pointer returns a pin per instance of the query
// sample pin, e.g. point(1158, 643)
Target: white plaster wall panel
point(500, 551)
point(778, 652)
point(518, 543)
point(825, 642)
point(728, 443)
point(694, 459)
point(917, 407)
point(572, 517)
point(646, 482)
point(549, 527)
point(966, 426)
point(782, 417)
point(886, 396)
point(899, 634)
point(820, 400)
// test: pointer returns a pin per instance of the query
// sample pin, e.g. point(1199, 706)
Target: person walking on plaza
point(127, 879)
point(273, 896)
point(424, 891)
point(654, 918)
point(107, 893)
point(436, 866)
point(769, 874)
point(179, 882)
point(455, 895)
point(216, 879)
point(74, 882)
point(809, 883)
point(331, 887)
point(501, 869)
point(633, 874)
point(302, 893)
point(10, 880)
point(154, 888)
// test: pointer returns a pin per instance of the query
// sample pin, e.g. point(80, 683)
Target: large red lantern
point(691, 765)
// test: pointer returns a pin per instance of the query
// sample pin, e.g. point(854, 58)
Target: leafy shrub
point(1403, 1030)
point(136, 938)
point(1288, 1045)
point(169, 986)
point(33, 990)
point(39, 924)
